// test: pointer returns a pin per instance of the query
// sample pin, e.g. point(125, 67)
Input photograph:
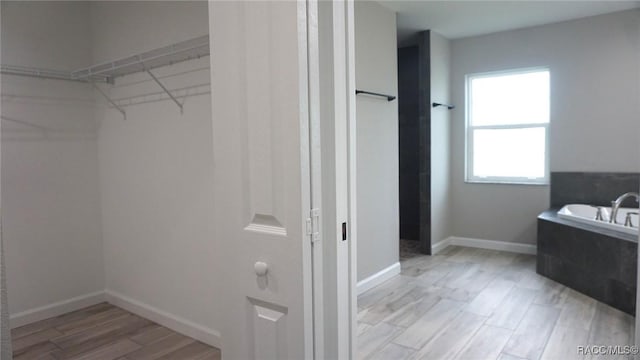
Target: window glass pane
point(509, 152)
point(509, 99)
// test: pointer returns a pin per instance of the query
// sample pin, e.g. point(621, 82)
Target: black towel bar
point(439, 104)
point(388, 97)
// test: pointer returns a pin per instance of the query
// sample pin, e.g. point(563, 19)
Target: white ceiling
point(457, 19)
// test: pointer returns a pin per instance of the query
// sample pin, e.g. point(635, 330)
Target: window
point(507, 127)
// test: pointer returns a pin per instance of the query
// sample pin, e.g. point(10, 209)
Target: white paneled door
point(260, 116)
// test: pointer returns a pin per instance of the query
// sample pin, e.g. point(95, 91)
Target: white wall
point(156, 168)
point(440, 56)
point(594, 64)
point(377, 139)
point(50, 200)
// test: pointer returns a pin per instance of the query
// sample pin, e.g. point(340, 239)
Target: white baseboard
point(378, 278)
point(484, 244)
point(56, 309)
point(440, 245)
point(173, 322)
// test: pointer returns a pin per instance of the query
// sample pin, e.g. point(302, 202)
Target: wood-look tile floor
point(469, 303)
point(104, 332)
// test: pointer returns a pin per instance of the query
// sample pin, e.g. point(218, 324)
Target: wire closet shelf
point(107, 72)
point(167, 55)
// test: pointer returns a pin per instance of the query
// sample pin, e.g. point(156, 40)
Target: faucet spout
point(615, 205)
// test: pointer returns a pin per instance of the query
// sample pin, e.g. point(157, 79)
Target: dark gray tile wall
point(414, 86)
point(408, 91)
point(424, 128)
point(594, 188)
point(600, 266)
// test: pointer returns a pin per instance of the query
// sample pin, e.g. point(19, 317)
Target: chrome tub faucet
point(615, 205)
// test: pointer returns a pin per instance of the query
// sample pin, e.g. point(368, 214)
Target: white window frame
point(469, 177)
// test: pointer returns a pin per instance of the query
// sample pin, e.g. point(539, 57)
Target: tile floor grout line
point(553, 328)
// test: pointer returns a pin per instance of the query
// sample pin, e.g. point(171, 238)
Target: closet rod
point(388, 97)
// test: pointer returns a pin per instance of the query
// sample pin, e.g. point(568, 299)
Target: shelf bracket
point(165, 89)
point(124, 115)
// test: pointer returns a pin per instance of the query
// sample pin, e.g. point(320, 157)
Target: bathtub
point(587, 214)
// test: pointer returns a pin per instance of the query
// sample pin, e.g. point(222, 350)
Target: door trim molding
point(352, 253)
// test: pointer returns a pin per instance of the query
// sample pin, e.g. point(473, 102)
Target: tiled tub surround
point(592, 188)
point(596, 261)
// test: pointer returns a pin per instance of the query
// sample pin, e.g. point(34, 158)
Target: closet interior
point(107, 175)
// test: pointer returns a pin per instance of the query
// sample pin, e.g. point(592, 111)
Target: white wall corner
point(56, 309)
point(176, 323)
point(519, 248)
point(378, 278)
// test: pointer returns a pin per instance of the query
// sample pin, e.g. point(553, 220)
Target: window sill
point(507, 182)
